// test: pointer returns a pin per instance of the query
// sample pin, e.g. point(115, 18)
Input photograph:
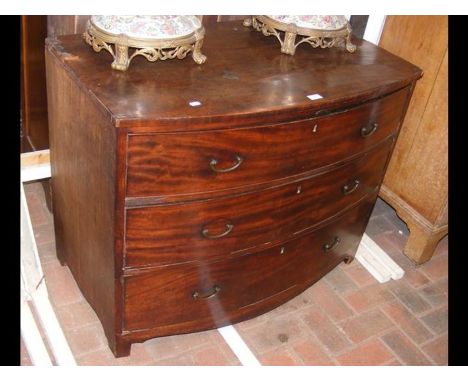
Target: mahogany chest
point(188, 197)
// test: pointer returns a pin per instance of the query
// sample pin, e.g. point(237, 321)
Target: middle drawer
point(183, 232)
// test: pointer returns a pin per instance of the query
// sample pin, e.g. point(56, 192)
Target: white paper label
point(313, 97)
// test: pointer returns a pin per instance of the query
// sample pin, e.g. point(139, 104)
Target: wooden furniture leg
point(120, 347)
point(422, 241)
point(423, 237)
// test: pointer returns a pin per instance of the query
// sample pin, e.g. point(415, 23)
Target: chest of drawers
point(174, 218)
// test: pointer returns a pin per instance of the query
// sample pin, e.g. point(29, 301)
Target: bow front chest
point(188, 197)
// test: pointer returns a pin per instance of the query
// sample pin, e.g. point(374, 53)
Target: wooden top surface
point(245, 79)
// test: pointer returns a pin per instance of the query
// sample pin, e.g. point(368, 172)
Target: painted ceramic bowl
point(154, 37)
point(322, 22)
point(147, 27)
point(319, 31)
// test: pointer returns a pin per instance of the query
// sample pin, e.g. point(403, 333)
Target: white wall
point(374, 28)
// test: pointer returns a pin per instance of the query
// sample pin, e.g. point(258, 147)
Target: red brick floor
point(347, 318)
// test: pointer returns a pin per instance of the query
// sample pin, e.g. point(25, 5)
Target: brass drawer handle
point(214, 162)
point(329, 246)
point(367, 131)
point(206, 233)
point(196, 295)
point(348, 189)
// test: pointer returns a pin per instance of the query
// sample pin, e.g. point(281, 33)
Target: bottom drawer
point(183, 298)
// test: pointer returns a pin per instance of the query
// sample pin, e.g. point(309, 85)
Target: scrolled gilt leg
point(121, 61)
point(197, 55)
point(350, 47)
point(289, 44)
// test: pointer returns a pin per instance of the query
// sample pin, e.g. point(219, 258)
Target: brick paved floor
point(347, 318)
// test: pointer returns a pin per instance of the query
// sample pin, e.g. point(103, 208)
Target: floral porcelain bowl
point(324, 31)
point(148, 27)
point(154, 37)
point(313, 21)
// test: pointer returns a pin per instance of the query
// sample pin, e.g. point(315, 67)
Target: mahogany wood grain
point(163, 298)
point(244, 81)
point(173, 233)
point(135, 196)
point(82, 156)
point(34, 129)
point(174, 164)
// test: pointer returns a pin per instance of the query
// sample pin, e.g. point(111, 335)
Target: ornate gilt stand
point(152, 49)
point(322, 38)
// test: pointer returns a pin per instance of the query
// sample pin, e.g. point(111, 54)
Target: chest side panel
point(82, 151)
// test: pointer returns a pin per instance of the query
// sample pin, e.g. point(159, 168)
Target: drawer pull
point(214, 162)
point(367, 131)
point(206, 233)
point(196, 295)
point(348, 189)
point(329, 246)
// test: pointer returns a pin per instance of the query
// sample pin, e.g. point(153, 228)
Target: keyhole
point(299, 189)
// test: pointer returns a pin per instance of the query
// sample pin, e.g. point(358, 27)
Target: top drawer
point(191, 163)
